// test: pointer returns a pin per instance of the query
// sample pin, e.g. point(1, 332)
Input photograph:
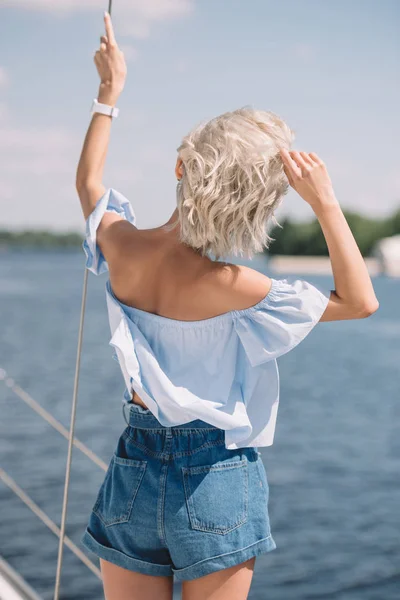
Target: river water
point(333, 469)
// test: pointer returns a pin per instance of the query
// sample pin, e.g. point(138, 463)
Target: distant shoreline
point(277, 263)
point(301, 245)
point(313, 265)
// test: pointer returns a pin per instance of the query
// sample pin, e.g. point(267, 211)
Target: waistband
point(137, 416)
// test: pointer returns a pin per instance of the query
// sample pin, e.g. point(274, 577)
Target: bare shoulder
point(240, 286)
point(118, 239)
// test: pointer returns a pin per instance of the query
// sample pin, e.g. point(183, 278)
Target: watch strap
point(104, 109)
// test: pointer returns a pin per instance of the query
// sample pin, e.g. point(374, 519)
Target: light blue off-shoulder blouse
point(222, 370)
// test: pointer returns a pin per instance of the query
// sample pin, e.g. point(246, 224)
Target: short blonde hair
point(233, 181)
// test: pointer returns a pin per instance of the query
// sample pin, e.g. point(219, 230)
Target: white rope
point(70, 440)
point(47, 521)
point(42, 412)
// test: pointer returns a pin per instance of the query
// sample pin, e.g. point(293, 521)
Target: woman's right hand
point(110, 64)
point(308, 175)
point(354, 296)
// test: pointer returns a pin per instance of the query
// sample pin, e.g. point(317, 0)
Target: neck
point(173, 217)
point(172, 234)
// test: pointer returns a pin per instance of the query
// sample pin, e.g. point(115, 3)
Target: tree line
point(34, 238)
point(307, 239)
point(293, 239)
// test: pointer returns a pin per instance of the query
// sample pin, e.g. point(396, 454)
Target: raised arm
point(354, 296)
point(110, 64)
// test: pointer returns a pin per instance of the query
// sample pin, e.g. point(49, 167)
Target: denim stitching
point(202, 447)
point(116, 551)
point(180, 431)
point(174, 427)
point(204, 468)
point(260, 475)
point(160, 507)
point(101, 490)
point(186, 471)
point(126, 516)
point(129, 462)
point(224, 554)
point(154, 454)
point(187, 496)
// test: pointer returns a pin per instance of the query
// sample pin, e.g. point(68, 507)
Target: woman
point(197, 339)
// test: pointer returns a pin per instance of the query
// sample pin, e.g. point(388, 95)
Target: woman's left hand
point(110, 64)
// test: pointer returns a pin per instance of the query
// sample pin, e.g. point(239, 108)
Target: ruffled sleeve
point(281, 320)
point(111, 201)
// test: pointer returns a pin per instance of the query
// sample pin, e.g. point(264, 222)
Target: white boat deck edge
point(13, 586)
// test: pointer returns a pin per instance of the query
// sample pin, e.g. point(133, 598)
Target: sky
point(329, 69)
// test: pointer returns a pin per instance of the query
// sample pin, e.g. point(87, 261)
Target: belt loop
point(168, 432)
point(123, 412)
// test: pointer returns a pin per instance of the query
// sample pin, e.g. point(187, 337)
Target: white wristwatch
point(104, 109)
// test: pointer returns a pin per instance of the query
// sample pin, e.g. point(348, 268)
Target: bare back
point(158, 274)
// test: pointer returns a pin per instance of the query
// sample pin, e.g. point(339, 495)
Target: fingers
point(307, 158)
point(298, 164)
point(288, 175)
point(109, 29)
point(290, 164)
point(301, 163)
point(285, 156)
point(316, 158)
point(103, 43)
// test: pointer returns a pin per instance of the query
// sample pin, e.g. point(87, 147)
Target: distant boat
point(387, 251)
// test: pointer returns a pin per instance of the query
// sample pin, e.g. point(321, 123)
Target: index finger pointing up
point(109, 28)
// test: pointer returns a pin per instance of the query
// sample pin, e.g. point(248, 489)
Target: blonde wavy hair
point(233, 181)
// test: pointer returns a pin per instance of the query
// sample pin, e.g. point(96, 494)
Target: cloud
point(4, 112)
point(7, 192)
point(391, 184)
point(129, 51)
point(35, 164)
point(305, 52)
point(136, 16)
point(182, 65)
point(38, 169)
point(51, 140)
point(4, 79)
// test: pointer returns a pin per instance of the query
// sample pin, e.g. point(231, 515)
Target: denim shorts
point(175, 501)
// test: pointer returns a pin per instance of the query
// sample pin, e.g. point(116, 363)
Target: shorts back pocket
point(118, 491)
point(217, 495)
